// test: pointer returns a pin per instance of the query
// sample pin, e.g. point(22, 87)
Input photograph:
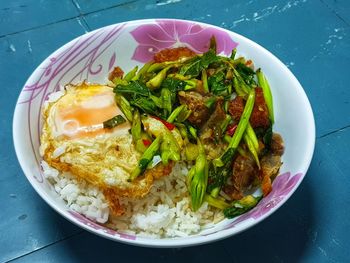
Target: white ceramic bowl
point(94, 54)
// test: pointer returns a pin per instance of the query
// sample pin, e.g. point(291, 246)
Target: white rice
point(164, 212)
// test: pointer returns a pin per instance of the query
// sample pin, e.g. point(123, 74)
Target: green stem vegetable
point(205, 81)
point(165, 96)
point(241, 206)
point(225, 123)
point(251, 148)
point(240, 150)
point(241, 127)
point(251, 134)
point(233, 53)
point(113, 122)
point(216, 202)
point(221, 167)
point(131, 74)
point(142, 71)
point(264, 84)
point(155, 82)
point(136, 126)
point(191, 84)
point(238, 87)
point(244, 87)
point(124, 106)
point(146, 158)
point(198, 178)
point(169, 148)
point(181, 113)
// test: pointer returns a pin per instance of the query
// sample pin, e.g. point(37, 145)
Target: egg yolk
point(81, 114)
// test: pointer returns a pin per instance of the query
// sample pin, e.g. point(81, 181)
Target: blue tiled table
point(311, 37)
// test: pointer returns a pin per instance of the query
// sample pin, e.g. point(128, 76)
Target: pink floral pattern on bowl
point(95, 226)
point(282, 186)
point(152, 38)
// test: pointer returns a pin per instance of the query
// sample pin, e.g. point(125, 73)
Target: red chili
point(231, 129)
point(146, 142)
point(169, 125)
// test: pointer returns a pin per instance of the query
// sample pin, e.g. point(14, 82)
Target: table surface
point(310, 37)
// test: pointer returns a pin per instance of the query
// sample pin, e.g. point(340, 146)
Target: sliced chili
point(169, 125)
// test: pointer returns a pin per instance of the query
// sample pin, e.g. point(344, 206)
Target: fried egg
point(73, 139)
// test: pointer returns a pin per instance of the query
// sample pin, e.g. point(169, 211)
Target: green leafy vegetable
point(145, 104)
point(133, 88)
point(163, 121)
point(194, 66)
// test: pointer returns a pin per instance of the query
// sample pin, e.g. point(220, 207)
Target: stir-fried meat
point(195, 102)
point(211, 131)
point(236, 107)
point(244, 172)
point(116, 73)
point(271, 163)
point(277, 146)
point(214, 122)
point(173, 54)
point(260, 114)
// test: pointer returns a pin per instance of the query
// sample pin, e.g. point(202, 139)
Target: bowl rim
point(180, 241)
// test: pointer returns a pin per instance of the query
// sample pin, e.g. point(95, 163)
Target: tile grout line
point(335, 13)
point(82, 15)
point(48, 245)
point(38, 27)
point(332, 132)
point(81, 19)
